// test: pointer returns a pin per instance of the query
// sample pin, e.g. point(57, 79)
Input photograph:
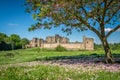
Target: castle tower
point(88, 43)
point(41, 43)
point(38, 43)
point(34, 42)
point(58, 41)
point(49, 39)
point(84, 42)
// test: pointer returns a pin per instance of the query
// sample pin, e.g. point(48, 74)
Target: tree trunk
point(12, 45)
point(108, 53)
point(23, 46)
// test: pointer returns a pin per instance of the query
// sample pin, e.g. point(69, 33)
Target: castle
point(53, 41)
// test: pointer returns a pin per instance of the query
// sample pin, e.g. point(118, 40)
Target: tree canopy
point(4, 37)
point(95, 15)
point(15, 38)
point(79, 14)
point(12, 42)
point(24, 41)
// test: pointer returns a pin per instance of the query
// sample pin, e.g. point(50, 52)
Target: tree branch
point(113, 30)
point(88, 26)
point(111, 16)
point(89, 16)
point(84, 9)
point(103, 17)
point(98, 11)
point(110, 3)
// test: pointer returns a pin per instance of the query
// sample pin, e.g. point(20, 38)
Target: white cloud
point(108, 29)
point(12, 24)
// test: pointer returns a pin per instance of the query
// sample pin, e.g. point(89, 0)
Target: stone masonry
point(53, 41)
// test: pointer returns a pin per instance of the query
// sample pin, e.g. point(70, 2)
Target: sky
point(14, 20)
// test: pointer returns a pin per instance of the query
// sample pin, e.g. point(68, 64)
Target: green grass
point(33, 54)
point(50, 72)
point(43, 72)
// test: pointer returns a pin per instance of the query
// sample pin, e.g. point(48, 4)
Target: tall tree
point(24, 42)
point(4, 40)
point(15, 41)
point(95, 15)
point(4, 37)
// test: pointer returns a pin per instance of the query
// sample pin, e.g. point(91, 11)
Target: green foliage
point(12, 42)
point(113, 46)
point(38, 49)
point(98, 47)
point(4, 46)
point(15, 68)
point(48, 72)
point(15, 41)
point(4, 42)
point(81, 15)
point(82, 50)
point(3, 37)
point(15, 38)
point(33, 54)
point(24, 42)
point(60, 48)
point(9, 55)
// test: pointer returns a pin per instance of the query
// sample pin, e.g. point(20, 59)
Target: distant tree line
point(12, 42)
point(113, 46)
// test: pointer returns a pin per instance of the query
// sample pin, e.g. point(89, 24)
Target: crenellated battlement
point(53, 41)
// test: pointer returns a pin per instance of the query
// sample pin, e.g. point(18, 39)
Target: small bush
point(82, 50)
point(9, 55)
point(60, 48)
point(37, 49)
point(44, 49)
point(16, 52)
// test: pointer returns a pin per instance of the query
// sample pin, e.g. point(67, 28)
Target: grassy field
point(36, 64)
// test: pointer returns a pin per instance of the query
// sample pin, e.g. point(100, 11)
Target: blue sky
point(14, 20)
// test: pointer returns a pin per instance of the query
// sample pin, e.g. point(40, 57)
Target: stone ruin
point(53, 41)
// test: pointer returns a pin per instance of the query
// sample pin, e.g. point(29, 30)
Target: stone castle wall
point(73, 46)
point(69, 46)
point(53, 41)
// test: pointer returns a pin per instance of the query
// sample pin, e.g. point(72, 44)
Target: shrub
point(16, 52)
point(9, 55)
point(60, 48)
point(82, 50)
point(44, 49)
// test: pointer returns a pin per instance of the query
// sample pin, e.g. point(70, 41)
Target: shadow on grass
point(83, 58)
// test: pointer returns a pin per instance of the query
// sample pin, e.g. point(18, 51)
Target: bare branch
point(113, 30)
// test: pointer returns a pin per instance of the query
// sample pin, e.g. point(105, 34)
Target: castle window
point(87, 42)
